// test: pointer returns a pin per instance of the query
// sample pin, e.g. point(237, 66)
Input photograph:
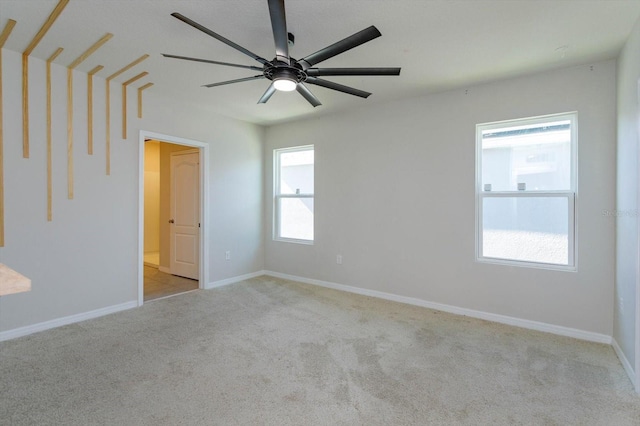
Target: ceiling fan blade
point(186, 58)
point(239, 80)
point(267, 95)
point(343, 45)
point(279, 26)
point(306, 93)
point(320, 72)
point(338, 87)
point(218, 37)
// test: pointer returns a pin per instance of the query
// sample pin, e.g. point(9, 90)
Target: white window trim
point(277, 196)
point(571, 195)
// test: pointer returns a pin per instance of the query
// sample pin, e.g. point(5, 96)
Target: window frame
point(570, 194)
point(277, 196)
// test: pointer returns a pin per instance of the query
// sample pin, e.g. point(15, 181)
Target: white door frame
point(637, 351)
point(637, 337)
point(204, 205)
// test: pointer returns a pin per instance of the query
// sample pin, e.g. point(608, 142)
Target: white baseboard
point(517, 322)
point(164, 269)
point(221, 283)
point(625, 363)
point(58, 322)
point(533, 325)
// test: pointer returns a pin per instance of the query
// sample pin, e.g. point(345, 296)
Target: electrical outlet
point(227, 255)
point(339, 259)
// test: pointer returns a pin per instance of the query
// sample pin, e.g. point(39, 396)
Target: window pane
point(296, 218)
point(296, 172)
point(532, 229)
point(537, 155)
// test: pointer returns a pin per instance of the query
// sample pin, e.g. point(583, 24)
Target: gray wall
point(394, 191)
point(86, 258)
point(394, 196)
point(627, 207)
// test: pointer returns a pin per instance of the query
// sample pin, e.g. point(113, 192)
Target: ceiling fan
point(288, 74)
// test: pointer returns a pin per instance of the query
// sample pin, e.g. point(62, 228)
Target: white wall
point(394, 196)
point(86, 258)
point(627, 208)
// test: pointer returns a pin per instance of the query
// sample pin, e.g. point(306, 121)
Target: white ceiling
point(440, 45)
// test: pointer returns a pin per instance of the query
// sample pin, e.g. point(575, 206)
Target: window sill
point(294, 241)
point(524, 264)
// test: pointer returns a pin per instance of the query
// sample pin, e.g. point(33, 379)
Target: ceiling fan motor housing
point(282, 71)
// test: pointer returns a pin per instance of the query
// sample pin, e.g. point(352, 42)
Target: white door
point(185, 214)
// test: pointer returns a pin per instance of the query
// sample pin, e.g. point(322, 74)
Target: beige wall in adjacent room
point(151, 197)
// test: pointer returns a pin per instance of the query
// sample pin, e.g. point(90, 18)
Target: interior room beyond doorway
point(159, 278)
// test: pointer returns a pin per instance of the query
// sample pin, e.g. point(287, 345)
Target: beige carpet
point(268, 351)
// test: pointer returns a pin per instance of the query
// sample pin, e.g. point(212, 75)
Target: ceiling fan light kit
point(287, 73)
point(284, 84)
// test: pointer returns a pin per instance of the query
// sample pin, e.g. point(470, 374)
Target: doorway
point(172, 216)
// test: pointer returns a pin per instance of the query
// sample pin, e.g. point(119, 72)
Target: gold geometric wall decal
point(49, 137)
point(124, 101)
point(90, 108)
point(25, 73)
point(140, 89)
point(3, 38)
point(108, 96)
point(73, 65)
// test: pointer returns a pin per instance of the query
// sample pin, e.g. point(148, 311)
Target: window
point(293, 194)
point(526, 187)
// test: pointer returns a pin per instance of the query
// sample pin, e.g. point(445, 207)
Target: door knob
point(171, 221)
